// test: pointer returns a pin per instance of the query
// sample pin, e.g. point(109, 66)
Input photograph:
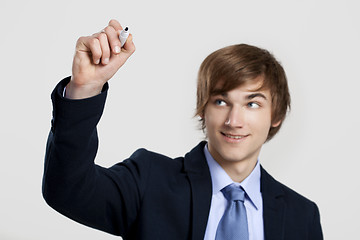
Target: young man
point(242, 100)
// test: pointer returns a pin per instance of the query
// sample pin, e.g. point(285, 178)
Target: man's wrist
point(73, 91)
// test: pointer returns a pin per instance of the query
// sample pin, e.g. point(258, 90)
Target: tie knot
point(233, 193)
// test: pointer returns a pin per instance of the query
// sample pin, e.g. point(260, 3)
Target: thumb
point(129, 46)
point(117, 60)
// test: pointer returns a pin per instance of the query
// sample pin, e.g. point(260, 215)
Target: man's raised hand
point(97, 58)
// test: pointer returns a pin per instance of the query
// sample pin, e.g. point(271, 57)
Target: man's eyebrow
point(254, 95)
point(219, 92)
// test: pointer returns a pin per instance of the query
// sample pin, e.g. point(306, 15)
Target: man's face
point(237, 124)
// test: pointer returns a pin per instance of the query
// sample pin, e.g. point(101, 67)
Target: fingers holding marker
point(99, 46)
point(97, 58)
point(105, 48)
point(113, 39)
point(123, 35)
point(93, 44)
point(115, 24)
point(103, 45)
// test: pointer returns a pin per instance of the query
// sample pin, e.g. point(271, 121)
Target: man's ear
point(276, 124)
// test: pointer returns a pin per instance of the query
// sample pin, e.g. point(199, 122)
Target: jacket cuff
point(68, 112)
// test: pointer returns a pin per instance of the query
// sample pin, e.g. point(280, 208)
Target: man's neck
point(238, 171)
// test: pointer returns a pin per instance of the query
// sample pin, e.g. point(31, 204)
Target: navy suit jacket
point(148, 195)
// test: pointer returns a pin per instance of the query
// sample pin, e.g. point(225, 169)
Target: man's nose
point(235, 117)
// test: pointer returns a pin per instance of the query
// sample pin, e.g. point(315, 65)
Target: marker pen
point(124, 35)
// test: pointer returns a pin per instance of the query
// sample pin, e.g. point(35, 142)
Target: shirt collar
point(221, 179)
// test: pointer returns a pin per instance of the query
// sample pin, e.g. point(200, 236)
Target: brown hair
point(235, 65)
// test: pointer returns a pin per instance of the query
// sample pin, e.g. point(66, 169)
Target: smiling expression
point(237, 125)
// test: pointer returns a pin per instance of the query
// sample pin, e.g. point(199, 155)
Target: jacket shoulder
point(300, 215)
point(271, 187)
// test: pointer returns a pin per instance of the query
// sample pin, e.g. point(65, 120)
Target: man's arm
point(106, 199)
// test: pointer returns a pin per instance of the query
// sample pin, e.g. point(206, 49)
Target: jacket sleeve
point(105, 199)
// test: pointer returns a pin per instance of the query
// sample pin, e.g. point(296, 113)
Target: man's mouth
point(234, 136)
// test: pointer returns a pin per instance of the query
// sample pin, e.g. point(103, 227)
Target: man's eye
point(253, 105)
point(220, 102)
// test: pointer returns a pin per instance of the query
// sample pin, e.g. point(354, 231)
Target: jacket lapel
point(273, 207)
point(197, 170)
point(201, 188)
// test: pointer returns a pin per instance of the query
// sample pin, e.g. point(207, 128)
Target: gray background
point(152, 98)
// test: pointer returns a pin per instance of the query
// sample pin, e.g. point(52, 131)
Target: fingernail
point(97, 61)
point(117, 49)
point(106, 61)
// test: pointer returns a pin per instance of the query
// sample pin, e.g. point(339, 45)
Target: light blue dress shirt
point(253, 200)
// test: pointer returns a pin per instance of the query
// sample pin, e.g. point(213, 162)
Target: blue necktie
point(233, 225)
